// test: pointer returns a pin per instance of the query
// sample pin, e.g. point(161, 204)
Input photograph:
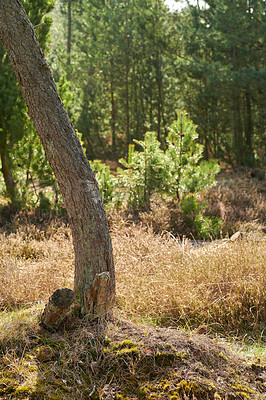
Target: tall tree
point(12, 110)
point(225, 45)
point(91, 238)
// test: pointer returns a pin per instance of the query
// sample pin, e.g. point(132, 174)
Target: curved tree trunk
point(91, 238)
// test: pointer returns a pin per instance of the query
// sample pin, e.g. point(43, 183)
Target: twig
point(39, 25)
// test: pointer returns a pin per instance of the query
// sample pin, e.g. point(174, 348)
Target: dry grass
point(34, 263)
point(118, 360)
point(204, 287)
point(219, 286)
point(237, 199)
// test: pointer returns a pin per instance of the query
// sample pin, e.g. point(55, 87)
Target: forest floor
point(189, 319)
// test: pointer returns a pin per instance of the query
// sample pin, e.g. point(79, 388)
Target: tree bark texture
point(57, 308)
point(82, 199)
point(6, 171)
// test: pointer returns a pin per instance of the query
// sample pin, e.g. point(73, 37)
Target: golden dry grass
point(219, 286)
point(34, 263)
point(205, 287)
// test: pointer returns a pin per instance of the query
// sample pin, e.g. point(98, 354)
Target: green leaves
point(145, 173)
point(105, 179)
point(176, 172)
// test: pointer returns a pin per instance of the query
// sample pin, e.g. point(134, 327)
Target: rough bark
point(82, 199)
point(249, 128)
point(6, 171)
point(57, 308)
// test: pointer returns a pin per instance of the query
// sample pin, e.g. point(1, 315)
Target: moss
point(25, 389)
point(125, 348)
point(126, 344)
point(143, 391)
point(257, 367)
point(242, 388)
point(107, 342)
point(223, 357)
point(194, 388)
point(181, 356)
point(154, 396)
point(129, 352)
point(8, 385)
point(164, 385)
point(119, 396)
point(164, 358)
point(243, 395)
point(45, 354)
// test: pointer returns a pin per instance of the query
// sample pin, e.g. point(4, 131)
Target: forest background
point(125, 67)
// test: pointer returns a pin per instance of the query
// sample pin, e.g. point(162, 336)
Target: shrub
point(145, 172)
point(105, 179)
point(186, 174)
point(176, 172)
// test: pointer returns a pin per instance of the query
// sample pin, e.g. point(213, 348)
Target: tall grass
point(34, 263)
point(219, 286)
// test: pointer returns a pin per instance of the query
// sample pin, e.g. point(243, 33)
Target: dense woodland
point(174, 102)
point(125, 67)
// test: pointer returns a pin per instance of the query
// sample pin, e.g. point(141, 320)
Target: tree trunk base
point(96, 302)
point(98, 299)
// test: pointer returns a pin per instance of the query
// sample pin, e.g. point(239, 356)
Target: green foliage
point(145, 171)
point(16, 132)
point(105, 179)
point(176, 172)
point(185, 173)
point(200, 226)
point(224, 71)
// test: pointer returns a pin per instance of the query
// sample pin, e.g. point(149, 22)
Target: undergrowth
point(115, 359)
point(165, 281)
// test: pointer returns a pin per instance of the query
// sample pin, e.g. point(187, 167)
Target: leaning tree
point(94, 282)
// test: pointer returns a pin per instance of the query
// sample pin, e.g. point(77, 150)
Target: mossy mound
point(122, 361)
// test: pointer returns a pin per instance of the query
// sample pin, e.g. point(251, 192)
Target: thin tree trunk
point(238, 141)
point(91, 238)
point(127, 77)
point(113, 114)
point(238, 133)
point(141, 102)
point(249, 128)
point(6, 171)
point(159, 109)
point(151, 109)
point(8, 178)
point(69, 26)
